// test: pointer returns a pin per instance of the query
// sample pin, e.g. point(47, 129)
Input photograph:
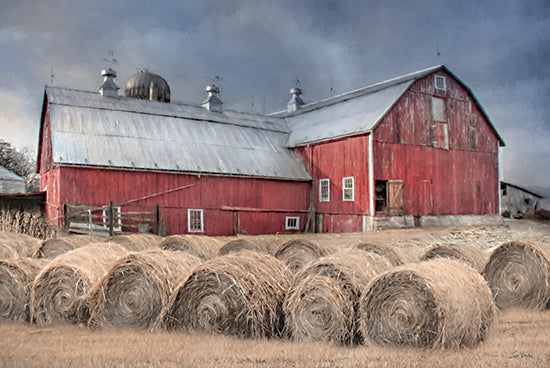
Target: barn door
point(395, 197)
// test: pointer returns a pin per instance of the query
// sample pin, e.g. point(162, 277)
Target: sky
point(260, 48)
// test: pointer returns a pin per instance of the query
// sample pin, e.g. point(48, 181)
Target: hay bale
point(396, 255)
point(52, 248)
point(136, 288)
point(518, 274)
point(323, 299)
point(434, 304)
point(23, 244)
point(240, 245)
point(7, 252)
point(136, 242)
point(296, 253)
point(67, 277)
point(238, 294)
point(472, 256)
point(203, 247)
point(16, 277)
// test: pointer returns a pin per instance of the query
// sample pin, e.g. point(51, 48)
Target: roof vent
point(212, 102)
point(295, 102)
point(109, 87)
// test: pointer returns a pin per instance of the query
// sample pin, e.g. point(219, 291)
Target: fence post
point(157, 219)
point(90, 222)
point(111, 222)
point(65, 218)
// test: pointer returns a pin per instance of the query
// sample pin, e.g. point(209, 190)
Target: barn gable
point(359, 111)
point(87, 129)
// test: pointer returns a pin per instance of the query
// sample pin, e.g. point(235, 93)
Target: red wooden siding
point(260, 205)
point(462, 179)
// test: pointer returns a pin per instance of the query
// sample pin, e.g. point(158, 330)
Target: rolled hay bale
point(240, 245)
point(323, 299)
point(67, 277)
point(518, 274)
point(6, 251)
point(16, 277)
point(136, 242)
point(203, 247)
point(435, 304)
point(136, 288)
point(269, 243)
point(239, 294)
point(296, 253)
point(472, 256)
point(52, 248)
point(22, 243)
point(396, 255)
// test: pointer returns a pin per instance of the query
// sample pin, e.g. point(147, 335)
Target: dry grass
point(434, 304)
point(520, 339)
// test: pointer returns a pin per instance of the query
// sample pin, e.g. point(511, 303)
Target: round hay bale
point(203, 247)
point(323, 299)
point(22, 243)
point(396, 255)
point(518, 274)
point(439, 303)
point(136, 288)
point(296, 253)
point(16, 277)
point(57, 286)
point(52, 248)
point(270, 244)
point(238, 294)
point(240, 245)
point(7, 252)
point(472, 256)
point(136, 242)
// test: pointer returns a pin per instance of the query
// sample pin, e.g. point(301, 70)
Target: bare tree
point(22, 162)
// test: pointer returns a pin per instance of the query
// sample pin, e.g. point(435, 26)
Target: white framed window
point(348, 189)
point(195, 221)
point(117, 218)
point(440, 83)
point(292, 223)
point(324, 190)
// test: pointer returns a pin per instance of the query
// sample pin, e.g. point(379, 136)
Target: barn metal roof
point(88, 129)
point(355, 112)
point(6, 174)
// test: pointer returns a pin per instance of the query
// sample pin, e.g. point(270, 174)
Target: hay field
point(520, 338)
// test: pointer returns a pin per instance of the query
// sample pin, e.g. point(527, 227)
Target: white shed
point(11, 182)
point(517, 201)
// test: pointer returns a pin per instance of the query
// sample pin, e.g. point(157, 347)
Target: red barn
point(413, 150)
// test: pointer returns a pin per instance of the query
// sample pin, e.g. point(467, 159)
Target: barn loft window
point(324, 190)
point(440, 127)
point(440, 83)
point(195, 220)
point(348, 189)
point(292, 223)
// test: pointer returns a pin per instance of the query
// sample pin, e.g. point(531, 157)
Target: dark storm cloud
point(499, 48)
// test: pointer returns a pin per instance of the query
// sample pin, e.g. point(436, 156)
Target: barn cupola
point(147, 86)
point(295, 102)
point(109, 87)
point(213, 102)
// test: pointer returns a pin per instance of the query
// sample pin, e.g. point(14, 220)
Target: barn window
point(348, 189)
point(292, 223)
point(324, 190)
point(440, 83)
point(195, 220)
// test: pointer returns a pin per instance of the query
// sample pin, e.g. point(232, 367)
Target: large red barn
point(416, 149)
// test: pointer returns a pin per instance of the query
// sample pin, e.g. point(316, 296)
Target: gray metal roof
point(355, 112)
point(6, 174)
point(88, 129)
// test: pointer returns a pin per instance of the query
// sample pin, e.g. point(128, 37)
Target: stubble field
point(520, 338)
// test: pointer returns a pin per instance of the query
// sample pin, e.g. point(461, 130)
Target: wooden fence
point(109, 220)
